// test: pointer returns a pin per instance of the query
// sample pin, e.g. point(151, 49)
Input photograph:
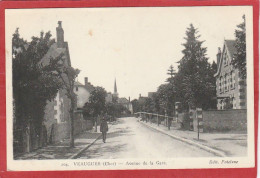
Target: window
point(242, 104)
point(242, 97)
point(227, 60)
point(231, 80)
point(241, 90)
point(225, 82)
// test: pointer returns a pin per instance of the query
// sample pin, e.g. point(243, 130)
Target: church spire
point(115, 94)
point(115, 88)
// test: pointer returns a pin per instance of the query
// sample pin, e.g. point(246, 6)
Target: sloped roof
point(77, 83)
point(230, 47)
point(88, 86)
point(123, 100)
point(54, 52)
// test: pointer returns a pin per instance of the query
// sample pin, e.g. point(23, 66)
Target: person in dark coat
point(104, 129)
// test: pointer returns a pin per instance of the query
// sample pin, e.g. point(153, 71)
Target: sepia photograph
point(130, 88)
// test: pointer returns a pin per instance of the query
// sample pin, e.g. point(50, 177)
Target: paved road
point(130, 139)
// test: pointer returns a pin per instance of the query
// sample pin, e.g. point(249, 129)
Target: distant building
point(83, 92)
point(122, 101)
point(142, 99)
point(109, 97)
point(126, 103)
point(151, 94)
point(230, 87)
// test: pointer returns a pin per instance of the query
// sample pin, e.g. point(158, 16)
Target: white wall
point(82, 96)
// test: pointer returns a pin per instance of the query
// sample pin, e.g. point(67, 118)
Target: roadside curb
point(204, 147)
point(74, 156)
point(83, 149)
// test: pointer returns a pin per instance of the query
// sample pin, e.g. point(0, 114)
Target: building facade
point(57, 115)
point(83, 92)
point(230, 87)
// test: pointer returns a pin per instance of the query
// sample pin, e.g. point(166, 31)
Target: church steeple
point(115, 94)
point(115, 87)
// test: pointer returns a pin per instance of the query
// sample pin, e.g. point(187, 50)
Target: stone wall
point(60, 132)
point(224, 121)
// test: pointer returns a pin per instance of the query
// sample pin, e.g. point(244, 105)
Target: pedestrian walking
point(104, 129)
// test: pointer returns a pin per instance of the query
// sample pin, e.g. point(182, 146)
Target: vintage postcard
point(129, 88)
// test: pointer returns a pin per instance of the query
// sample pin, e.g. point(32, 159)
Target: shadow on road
point(108, 149)
point(118, 133)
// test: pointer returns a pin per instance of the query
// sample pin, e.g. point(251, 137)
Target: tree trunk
point(72, 123)
point(71, 129)
point(169, 123)
point(95, 124)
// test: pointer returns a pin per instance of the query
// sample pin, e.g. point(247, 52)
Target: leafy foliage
point(97, 105)
point(33, 83)
point(239, 58)
point(97, 101)
point(166, 99)
point(171, 72)
point(195, 83)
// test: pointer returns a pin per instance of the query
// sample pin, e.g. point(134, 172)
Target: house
point(151, 94)
point(57, 117)
point(126, 103)
point(230, 87)
point(83, 92)
point(142, 99)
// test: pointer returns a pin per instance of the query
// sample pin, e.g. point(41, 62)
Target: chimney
point(86, 80)
point(218, 55)
point(60, 35)
point(129, 99)
point(140, 95)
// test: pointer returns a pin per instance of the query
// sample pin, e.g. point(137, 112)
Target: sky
point(135, 46)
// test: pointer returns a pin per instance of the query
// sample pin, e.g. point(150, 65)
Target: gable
point(123, 100)
point(88, 87)
point(229, 50)
point(54, 52)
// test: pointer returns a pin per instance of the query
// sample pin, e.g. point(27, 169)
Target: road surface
point(128, 138)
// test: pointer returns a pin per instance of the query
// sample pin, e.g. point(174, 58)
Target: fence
point(157, 118)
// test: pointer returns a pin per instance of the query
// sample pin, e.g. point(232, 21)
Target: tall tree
point(239, 58)
point(98, 99)
point(96, 105)
point(194, 84)
point(171, 72)
point(33, 83)
point(166, 99)
point(136, 106)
